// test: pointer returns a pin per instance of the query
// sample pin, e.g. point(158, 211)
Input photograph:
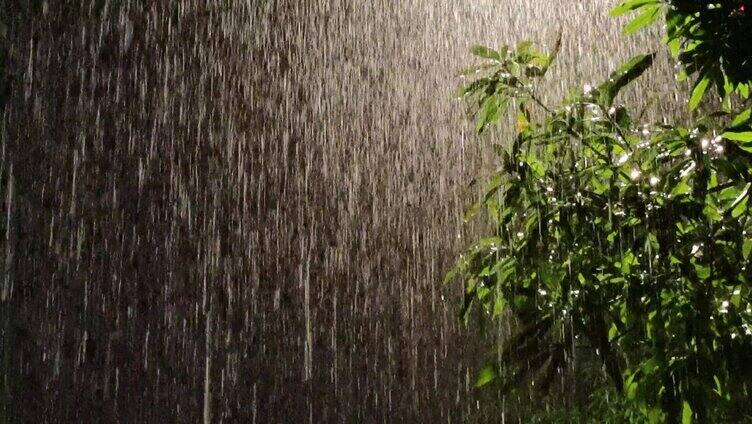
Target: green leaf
point(523, 119)
point(490, 242)
point(627, 73)
point(746, 248)
point(728, 87)
point(524, 47)
point(630, 5)
point(554, 53)
point(476, 69)
point(702, 271)
point(711, 212)
point(656, 416)
point(631, 386)
point(729, 194)
point(698, 92)
point(718, 386)
point(458, 268)
point(736, 300)
point(538, 167)
point(491, 109)
point(744, 136)
point(741, 118)
point(649, 15)
point(485, 52)
point(743, 90)
point(499, 305)
point(627, 260)
point(650, 366)
point(486, 375)
point(686, 413)
point(740, 204)
point(470, 213)
point(474, 87)
point(681, 188)
point(674, 45)
point(612, 332)
point(492, 187)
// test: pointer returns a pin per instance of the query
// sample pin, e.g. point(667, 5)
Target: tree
point(629, 240)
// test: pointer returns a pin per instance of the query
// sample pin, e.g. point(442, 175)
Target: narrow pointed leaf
point(630, 5)
point(698, 92)
point(485, 52)
point(486, 375)
point(649, 15)
point(740, 204)
point(625, 75)
point(744, 136)
point(741, 118)
point(686, 413)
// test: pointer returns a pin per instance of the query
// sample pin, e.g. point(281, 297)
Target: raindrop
point(635, 174)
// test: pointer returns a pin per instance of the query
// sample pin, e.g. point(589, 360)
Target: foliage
point(710, 38)
point(628, 240)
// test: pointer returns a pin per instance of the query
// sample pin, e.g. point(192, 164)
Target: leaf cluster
point(711, 39)
point(630, 240)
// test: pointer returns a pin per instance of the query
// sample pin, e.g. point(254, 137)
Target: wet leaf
point(742, 118)
point(486, 375)
point(492, 108)
point(499, 305)
point(698, 92)
point(745, 136)
point(630, 5)
point(613, 332)
point(648, 16)
point(681, 188)
point(743, 90)
point(740, 204)
point(627, 73)
point(485, 52)
point(687, 415)
point(470, 213)
point(702, 271)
